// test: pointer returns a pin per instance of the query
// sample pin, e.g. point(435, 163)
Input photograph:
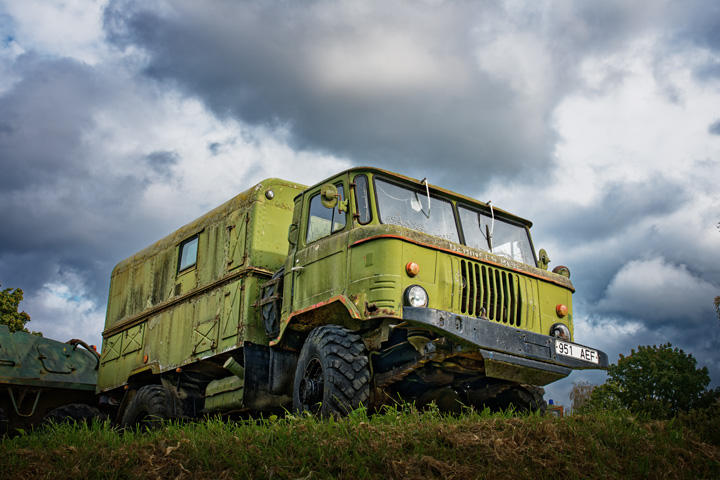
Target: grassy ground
point(403, 444)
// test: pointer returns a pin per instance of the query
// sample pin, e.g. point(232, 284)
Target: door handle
point(297, 269)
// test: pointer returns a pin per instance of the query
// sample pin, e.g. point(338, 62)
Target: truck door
point(320, 266)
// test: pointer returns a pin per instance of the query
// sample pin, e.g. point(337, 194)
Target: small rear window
point(362, 199)
point(188, 254)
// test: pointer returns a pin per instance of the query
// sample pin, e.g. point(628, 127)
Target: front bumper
point(509, 353)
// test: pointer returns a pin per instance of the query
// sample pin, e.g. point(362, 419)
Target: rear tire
point(74, 413)
point(147, 409)
point(333, 373)
point(524, 398)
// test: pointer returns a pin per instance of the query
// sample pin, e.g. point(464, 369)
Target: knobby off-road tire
point(524, 398)
point(74, 413)
point(333, 373)
point(147, 409)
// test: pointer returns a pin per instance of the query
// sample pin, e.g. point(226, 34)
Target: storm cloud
point(122, 120)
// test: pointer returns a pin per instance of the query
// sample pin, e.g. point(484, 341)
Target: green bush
point(655, 382)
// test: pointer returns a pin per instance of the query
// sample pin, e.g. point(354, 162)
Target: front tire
point(333, 373)
point(148, 408)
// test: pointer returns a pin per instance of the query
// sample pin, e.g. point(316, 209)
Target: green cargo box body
point(163, 314)
point(38, 374)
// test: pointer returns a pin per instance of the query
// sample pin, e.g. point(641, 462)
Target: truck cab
point(445, 292)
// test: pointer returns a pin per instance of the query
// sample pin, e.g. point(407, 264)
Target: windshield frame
point(455, 205)
point(498, 218)
point(422, 193)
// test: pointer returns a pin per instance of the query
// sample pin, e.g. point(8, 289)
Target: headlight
point(560, 331)
point(416, 296)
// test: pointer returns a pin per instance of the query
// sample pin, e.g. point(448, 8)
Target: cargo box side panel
point(212, 257)
point(122, 353)
point(205, 324)
point(268, 227)
point(230, 328)
point(252, 328)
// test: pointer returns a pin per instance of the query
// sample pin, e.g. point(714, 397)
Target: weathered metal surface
point(375, 232)
point(430, 354)
point(500, 342)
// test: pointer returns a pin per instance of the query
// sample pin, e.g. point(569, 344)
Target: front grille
point(490, 293)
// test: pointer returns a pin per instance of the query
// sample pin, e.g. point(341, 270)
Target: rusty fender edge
point(501, 342)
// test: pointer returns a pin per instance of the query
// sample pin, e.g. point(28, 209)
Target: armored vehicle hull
point(44, 379)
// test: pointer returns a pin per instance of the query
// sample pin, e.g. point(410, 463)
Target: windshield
point(496, 236)
point(412, 209)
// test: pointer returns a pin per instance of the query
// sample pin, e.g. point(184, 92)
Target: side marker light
point(562, 270)
point(412, 269)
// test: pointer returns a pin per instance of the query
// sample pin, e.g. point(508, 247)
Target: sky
point(122, 120)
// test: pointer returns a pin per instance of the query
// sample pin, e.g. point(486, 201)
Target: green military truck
point(367, 288)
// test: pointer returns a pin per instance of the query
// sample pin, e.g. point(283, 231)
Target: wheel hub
point(311, 386)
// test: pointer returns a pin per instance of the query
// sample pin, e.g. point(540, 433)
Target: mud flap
point(257, 395)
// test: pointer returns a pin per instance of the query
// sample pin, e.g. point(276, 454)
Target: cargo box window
point(188, 254)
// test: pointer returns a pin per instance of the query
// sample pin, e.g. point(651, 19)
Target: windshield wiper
point(427, 190)
point(488, 228)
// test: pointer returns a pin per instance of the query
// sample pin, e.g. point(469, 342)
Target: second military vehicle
point(43, 380)
point(367, 288)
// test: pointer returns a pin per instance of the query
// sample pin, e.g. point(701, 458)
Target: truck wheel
point(524, 398)
point(147, 408)
point(333, 373)
point(74, 413)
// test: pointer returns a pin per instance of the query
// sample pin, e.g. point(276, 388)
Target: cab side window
point(324, 221)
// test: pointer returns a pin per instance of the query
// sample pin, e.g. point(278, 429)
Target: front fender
point(337, 310)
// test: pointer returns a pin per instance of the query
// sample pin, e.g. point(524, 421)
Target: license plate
point(585, 354)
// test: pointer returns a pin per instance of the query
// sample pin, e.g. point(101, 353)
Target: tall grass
point(399, 443)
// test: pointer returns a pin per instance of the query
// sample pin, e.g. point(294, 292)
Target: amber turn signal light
point(561, 310)
point(412, 269)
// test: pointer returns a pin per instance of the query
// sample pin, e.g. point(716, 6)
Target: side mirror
point(328, 195)
point(543, 259)
point(293, 234)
